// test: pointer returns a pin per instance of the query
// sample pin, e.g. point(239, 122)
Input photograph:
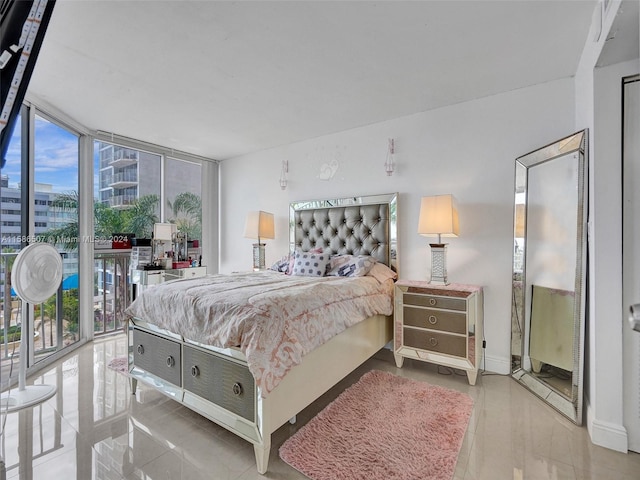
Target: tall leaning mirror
point(549, 272)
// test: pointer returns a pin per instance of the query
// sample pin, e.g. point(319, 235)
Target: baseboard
point(606, 434)
point(499, 365)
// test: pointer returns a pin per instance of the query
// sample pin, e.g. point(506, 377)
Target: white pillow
point(382, 273)
point(350, 265)
point(307, 264)
point(292, 257)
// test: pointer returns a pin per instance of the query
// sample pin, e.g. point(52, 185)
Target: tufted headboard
point(356, 226)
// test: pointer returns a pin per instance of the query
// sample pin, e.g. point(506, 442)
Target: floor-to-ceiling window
point(47, 195)
point(127, 201)
point(10, 233)
point(38, 181)
point(134, 188)
point(55, 175)
point(183, 199)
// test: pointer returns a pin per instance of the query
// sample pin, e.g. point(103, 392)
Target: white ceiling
point(221, 79)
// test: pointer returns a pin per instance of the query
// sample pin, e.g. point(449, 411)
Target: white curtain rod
point(151, 147)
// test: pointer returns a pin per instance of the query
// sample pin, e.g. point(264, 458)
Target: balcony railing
point(56, 322)
point(128, 178)
point(112, 290)
point(121, 156)
point(126, 154)
point(122, 201)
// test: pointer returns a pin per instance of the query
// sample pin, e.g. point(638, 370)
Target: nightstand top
point(430, 286)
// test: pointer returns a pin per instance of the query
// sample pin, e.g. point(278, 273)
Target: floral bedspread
point(274, 318)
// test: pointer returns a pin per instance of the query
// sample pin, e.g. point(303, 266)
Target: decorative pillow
point(382, 273)
point(282, 265)
point(309, 264)
point(289, 270)
point(350, 265)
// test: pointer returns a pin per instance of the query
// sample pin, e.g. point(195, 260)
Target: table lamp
point(163, 234)
point(259, 225)
point(438, 218)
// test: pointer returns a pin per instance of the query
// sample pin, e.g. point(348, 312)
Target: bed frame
point(216, 382)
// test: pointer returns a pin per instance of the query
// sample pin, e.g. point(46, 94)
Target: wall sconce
point(388, 164)
point(283, 174)
point(439, 217)
point(259, 225)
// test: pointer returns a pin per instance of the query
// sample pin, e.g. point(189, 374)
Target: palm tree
point(138, 219)
point(141, 216)
point(187, 214)
point(67, 234)
point(107, 220)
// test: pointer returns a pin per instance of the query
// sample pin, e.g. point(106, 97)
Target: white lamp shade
point(164, 231)
point(439, 216)
point(259, 225)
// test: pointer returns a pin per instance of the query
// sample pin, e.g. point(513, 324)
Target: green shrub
point(13, 333)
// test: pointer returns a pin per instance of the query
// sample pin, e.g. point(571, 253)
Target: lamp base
point(439, 264)
point(258, 257)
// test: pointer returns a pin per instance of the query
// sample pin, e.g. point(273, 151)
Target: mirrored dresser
point(142, 279)
point(440, 324)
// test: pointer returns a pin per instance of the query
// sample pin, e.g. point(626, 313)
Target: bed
point(188, 345)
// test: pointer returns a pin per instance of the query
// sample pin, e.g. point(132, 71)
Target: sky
point(56, 156)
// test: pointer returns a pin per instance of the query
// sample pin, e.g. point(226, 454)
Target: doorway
point(631, 253)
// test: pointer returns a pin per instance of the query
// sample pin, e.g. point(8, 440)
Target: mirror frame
point(576, 144)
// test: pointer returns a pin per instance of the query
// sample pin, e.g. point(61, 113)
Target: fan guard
point(37, 272)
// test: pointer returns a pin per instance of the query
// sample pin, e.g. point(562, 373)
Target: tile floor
point(93, 429)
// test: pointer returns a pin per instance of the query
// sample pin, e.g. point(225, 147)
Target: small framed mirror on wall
point(549, 273)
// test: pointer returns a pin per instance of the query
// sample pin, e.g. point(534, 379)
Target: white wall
point(468, 150)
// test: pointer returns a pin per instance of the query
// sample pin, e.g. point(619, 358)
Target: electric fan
point(36, 275)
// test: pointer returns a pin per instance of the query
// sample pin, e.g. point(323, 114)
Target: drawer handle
point(195, 371)
point(433, 342)
point(170, 361)
point(140, 349)
point(237, 389)
point(432, 301)
point(433, 319)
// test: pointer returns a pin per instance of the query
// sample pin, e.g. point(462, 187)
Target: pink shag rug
point(120, 365)
point(384, 427)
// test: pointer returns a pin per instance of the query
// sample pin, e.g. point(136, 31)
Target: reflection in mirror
point(549, 269)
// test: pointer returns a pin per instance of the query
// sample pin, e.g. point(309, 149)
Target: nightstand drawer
point(435, 342)
point(433, 301)
point(435, 319)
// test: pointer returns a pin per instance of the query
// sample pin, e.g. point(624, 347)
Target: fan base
point(30, 396)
